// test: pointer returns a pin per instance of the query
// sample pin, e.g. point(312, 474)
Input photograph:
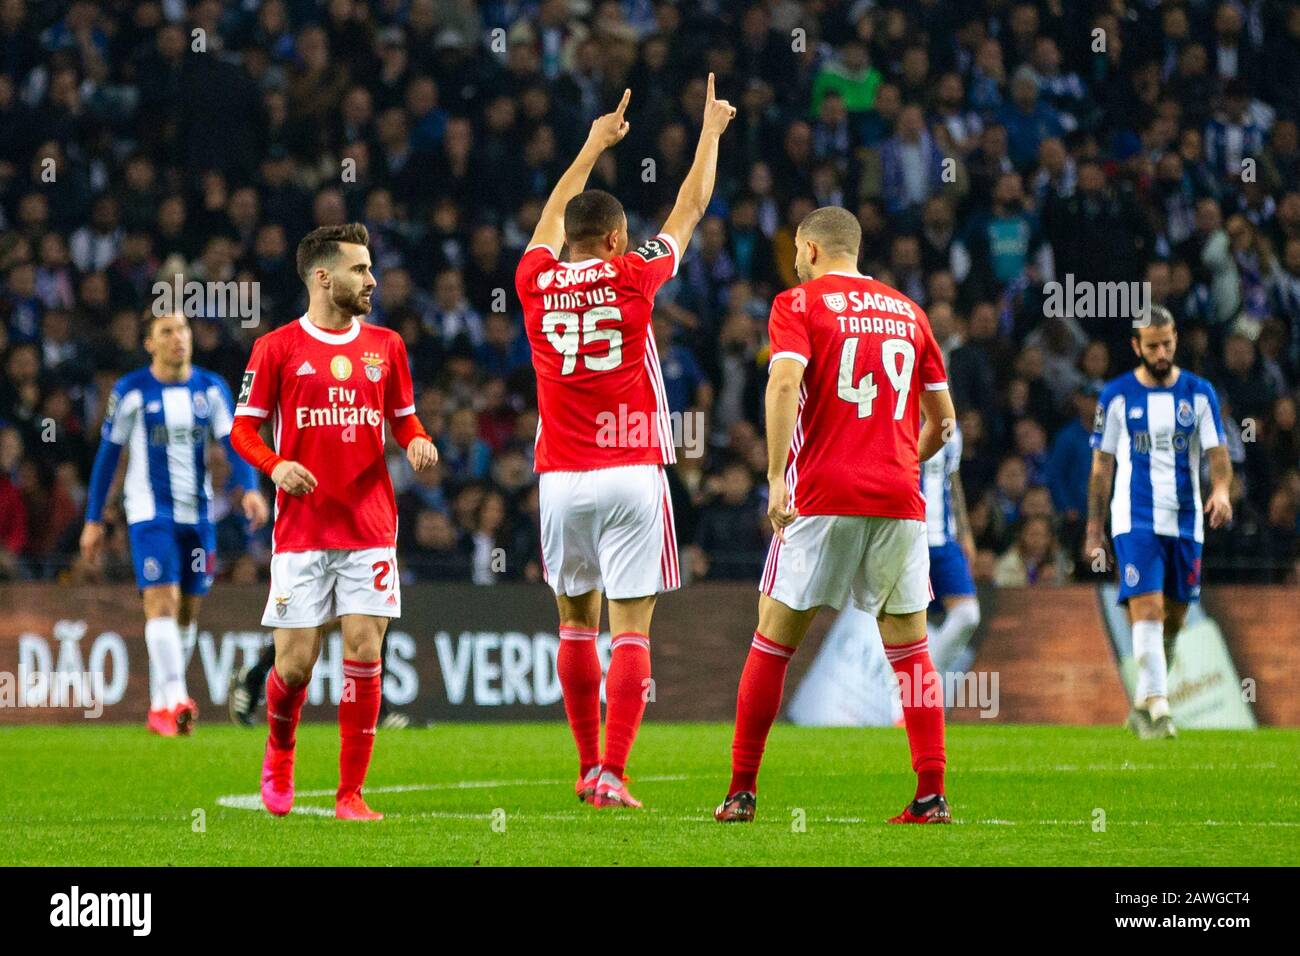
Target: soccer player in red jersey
point(604, 436)
point(854, 367)
point(328, 382)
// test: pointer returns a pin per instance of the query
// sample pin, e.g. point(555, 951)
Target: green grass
point(104, 795)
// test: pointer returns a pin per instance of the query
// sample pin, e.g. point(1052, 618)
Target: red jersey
point(327, 394)
point(868, 352)
point(601, 401)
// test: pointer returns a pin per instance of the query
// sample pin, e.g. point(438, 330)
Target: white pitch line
point(253, 801)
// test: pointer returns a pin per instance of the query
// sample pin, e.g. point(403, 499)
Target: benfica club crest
point(835, 301)
point(374, 366)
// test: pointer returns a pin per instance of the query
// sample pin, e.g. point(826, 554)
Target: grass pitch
point(502, 794)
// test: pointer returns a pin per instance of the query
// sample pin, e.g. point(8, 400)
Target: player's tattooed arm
point(697, 188)
point(1099, 486)
point(964, 535)
point(1219, 504)
point(782, 406)
point(605, 132)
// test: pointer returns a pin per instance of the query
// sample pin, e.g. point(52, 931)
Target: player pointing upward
point(328, 382)
point(854, 365)
point(603, 436)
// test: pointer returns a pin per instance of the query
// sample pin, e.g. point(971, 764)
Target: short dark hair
point(321, 246)
point(150, 317)
point(834, 229)
point(590, 215)
point(1155, 317)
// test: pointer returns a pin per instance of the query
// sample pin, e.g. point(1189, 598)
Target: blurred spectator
point(983, 154)
point(729, 539)
point(1034, 559)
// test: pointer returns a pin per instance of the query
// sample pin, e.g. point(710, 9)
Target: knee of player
point(967, 611)
point(160, 602)
point(294, 669)
point(1147, 607)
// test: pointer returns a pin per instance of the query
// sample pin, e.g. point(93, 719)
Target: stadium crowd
point(988, 149)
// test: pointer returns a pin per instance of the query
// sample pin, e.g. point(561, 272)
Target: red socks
point(922, 712)
point(579, 669)
point(757, 704)
point(358, 712)
point(625, 689)
point(283, 708)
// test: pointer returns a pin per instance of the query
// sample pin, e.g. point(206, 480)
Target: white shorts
point(310, 588)
point(610, 530)
point(882, 563)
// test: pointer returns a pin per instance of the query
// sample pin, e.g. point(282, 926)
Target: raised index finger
point(622, 104)
point(710, 88)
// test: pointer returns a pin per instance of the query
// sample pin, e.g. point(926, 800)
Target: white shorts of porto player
point(883, 564)
point(310, 588)
point(610, 530)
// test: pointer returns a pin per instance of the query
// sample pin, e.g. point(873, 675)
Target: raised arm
point(697, 189)
point(605, 132)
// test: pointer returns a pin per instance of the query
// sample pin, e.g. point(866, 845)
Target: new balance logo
point(306, 369)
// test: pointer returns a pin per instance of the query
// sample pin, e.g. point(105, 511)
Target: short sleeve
point(120, 413)
point(1108, 423)
point(222, 406)
point(260, 387)
point(399, 394)
point(535, 261)
point(787, 331)
point(1209, 420)
point(934, 378)
point(652, 263)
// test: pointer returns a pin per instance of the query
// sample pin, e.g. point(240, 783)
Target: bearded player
point(1152, 426)
point(603, 436)
point(854, 367)
point(328, 382)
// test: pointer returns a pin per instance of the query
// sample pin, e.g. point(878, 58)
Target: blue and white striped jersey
point(166, 426)
point(936, 488)
point(1157, 436)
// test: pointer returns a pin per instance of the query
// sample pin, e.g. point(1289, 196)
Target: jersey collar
point(581, 265)
point(330, 338)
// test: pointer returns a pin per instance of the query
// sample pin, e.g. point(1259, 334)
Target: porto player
point(854, 367)
point(1153, 425)
point(166, 414)
point(328, 382)
point(603, 436)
